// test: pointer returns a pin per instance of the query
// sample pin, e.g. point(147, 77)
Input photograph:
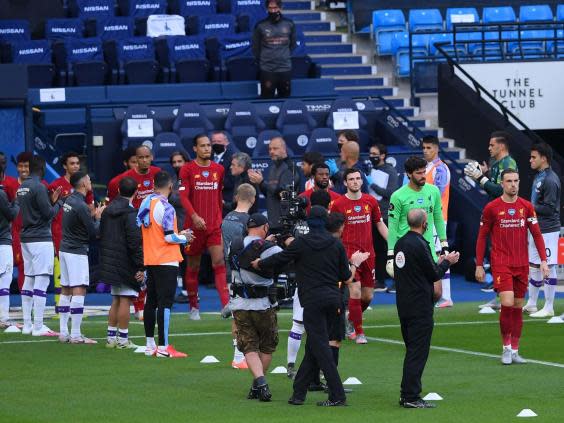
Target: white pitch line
point(467, 352)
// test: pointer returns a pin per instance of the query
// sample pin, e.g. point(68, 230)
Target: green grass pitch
point(44, 381)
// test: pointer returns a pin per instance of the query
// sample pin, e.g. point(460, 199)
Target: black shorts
point(336, 328)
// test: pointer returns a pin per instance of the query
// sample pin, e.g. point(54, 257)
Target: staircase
point(354, 73)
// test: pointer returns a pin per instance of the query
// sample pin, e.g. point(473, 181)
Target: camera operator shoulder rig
point(241, 256)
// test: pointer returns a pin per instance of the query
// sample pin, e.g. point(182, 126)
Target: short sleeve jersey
point(360, 215)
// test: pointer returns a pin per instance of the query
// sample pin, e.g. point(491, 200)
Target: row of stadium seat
point(244, 124)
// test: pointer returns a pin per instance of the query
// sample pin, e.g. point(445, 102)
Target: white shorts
point(6, 261)
point(437, 239)
point(124, 291)
point(74, 269)
point(38, 257)
point(298, 310)
point(551, 245)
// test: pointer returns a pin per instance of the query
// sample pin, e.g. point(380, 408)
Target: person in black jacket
point(321, 263)
point(121, 261)
point(416, 272)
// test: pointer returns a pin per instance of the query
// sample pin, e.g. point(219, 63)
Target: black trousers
point(416, 333)
point(161, 287)
point(318, 322)
point(272, 81)
point(381, 250)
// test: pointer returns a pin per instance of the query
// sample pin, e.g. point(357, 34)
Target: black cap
point(256, 220)
point(318, 212)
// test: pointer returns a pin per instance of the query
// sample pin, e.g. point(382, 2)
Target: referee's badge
point(400, 259)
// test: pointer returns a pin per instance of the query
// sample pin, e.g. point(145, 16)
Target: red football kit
point(10, 185)
point(145, 184)
point(508, 224)
point(307, 194)
point(360, 215)
point(57, 224)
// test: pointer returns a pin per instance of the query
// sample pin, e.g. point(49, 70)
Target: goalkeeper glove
point(474, 171)
point(444, 248)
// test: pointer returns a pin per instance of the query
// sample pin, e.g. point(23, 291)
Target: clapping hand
point(358, 258)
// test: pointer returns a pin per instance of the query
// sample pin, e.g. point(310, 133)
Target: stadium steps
point(326, 37)
point(339, 59)
point(295, 5)
point(348, 70)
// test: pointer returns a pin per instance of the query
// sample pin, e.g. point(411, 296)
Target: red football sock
point(505, 324)
point(191, 285)
point(355, 315)
point(516, 327)
point(220, 276)
point(139, 303)
point(364, 305)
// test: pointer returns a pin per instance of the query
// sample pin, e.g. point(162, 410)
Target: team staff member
point(508, 219)
point(161, 257)
point(8, 212)
point(545, 198)
point(200, 194)
point(321, 263)
point(71, 165)
point(79, 227)
point(121, 261)
point(416, 273)
point(38, 209)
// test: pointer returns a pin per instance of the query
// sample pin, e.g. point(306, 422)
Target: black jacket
point(415, 271)
point(321, 263)
point(121, 247)
point(273, 43)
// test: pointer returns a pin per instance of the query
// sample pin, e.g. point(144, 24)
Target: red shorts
point(511, 278)
point(203, 240)
point(366, 273)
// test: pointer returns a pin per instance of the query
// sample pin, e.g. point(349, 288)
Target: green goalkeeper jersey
point(405, 199)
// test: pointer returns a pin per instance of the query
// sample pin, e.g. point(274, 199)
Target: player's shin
point(505, 325)
point(535, 284)
point(220, 277)
point(294, 341)
point(77, 312)
point(64, 313)
point(27, 300)
point(516, 327)
point(550, 289)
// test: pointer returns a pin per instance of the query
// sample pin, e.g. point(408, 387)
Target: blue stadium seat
point(115, 28)
point(419, 48)
point(59, 29)
point(533, 43)
point(490, 50)
point(244, 124)
point(385, 24)
point(84, 62)
point(138, 111)
point(344, 104)
point(36, 54)
point(190, 121)
point(220, 25)
point(324, 141)
point(238, 61)
point(449, 47)
point(164, 145)
point(193, 7)
point(142, 8)
point(456, 15)
point(248, 13)
point(296, 123)
point(500, 14)
point(469, 47)
point(184, 58)
point(425, 19)
point(92, 9)
point(537, 12)
point(136, 61)
point(12, 31)
point(560, 13)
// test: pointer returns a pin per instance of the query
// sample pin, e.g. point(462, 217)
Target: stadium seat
point(385, 24)
point(36, 54)
point(142, 8)
point(296, 123)
point(190, 121)
point(498, 14)
point(449, 47)
point(419, 48)
point(84, 60)
point(238, 61)
point(461, 15)
point(164, 145)
point(136, 61)
point(92, 9)
point(115, 28)
point(560, 13)
point(12, 31)
point(165, 26)
point(192, 7)
point(248, 13)
point(183, 58)
point(59, 29)
point(324, 141)
point(134, 116)
point(533, 43)
point(244, 124)
point(537, 12)
point(425, 19)
point(219, 25)
point(469, 47)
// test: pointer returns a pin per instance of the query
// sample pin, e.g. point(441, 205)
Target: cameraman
point(321, 262)
point(253, 309)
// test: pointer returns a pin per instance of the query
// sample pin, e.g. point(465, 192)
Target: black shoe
point(329, 403)
point(264, 394)
point(181, 299)
point(316, 387)
point(418, 403)
point(253, 393)
point(295, 401)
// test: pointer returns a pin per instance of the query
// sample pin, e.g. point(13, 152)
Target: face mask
point(218, 148)
point(375, 160)
point(274, 17)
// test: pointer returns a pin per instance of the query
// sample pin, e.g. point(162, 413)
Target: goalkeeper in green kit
point(417, 194)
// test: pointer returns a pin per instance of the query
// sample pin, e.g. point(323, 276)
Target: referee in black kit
point(418, 280)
